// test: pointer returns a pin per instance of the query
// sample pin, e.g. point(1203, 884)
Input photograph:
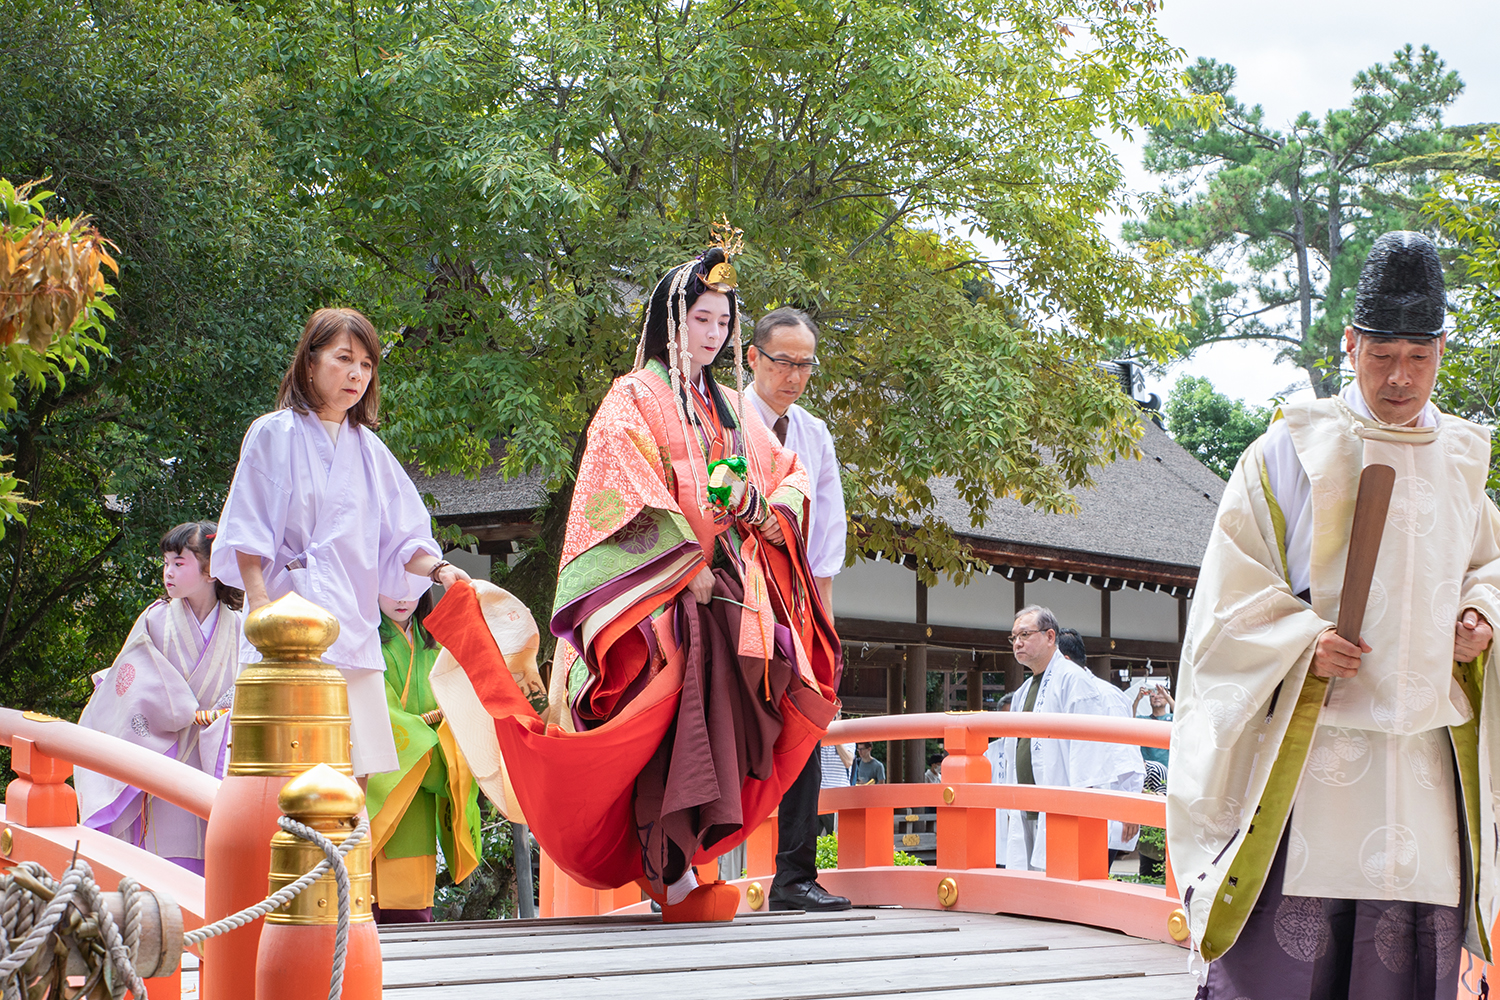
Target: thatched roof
point(1159, 509)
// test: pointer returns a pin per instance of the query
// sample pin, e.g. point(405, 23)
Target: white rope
point(334, 856)
point(24, 889)
point(682, 382)
point(282, 896)
point(739, 370)
point(135, 906)
point(121, 958)
point(679, 372)
point(33, 906)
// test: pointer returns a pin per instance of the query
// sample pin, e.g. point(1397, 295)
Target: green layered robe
point(432, 797)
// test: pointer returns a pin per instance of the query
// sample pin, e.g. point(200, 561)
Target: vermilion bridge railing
point(41, 824)
point(1075, 887)
point(41, 811)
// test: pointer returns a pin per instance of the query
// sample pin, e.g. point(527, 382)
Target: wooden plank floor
point(869, 953)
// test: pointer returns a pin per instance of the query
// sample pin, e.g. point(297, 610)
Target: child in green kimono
point(431, 797)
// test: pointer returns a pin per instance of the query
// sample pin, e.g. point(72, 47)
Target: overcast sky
point(1299, 55)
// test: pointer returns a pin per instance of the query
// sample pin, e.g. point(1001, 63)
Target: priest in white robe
point(320, 506)
point(1340, 843)
point(1057, 684)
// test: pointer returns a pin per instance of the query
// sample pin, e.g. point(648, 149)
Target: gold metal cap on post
point(291, 710)
point(329, 802)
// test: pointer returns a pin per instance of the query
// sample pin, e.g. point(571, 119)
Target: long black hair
point(662, 317)
point(197, 537)
point(419, 617)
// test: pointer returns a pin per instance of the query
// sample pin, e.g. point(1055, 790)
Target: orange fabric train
point(576, 789)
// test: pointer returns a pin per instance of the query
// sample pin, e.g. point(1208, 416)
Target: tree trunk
point(1333, 351)
point(1304, 282)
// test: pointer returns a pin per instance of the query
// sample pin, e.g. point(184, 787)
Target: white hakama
point(337, 523)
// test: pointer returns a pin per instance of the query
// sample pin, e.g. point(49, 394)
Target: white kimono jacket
point(1364, 787)
point(170, 667)
point(337, 524)
point(1067, 687)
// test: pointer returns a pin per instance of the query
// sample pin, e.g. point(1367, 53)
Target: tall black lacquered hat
point(1401, 288)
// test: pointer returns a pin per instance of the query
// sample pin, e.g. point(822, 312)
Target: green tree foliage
point(828, 854)
point(489, 891)
point(53, 283)
point(1467, 210)
point(494, 183)
point(512, 176)
point(144, 115)
point(1290, 213)
point(1215, 428)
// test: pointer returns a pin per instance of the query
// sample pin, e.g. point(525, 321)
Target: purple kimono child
point(169, 690)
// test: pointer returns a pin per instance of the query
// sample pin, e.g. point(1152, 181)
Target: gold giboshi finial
point(291, 628)
point(329, 802)
point(291, 710)
point(321, 795)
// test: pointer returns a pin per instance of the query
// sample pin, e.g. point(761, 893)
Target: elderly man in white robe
point(1057, 684)
point(1330, 814)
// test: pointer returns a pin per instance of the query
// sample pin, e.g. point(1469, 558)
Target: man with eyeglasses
point(784, 357)
point(1331, 806)
point(1057, 684)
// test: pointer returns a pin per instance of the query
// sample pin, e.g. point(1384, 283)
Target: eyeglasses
point(788, 365)
point(1022, 636)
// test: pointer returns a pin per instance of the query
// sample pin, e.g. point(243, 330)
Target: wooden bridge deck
point(868, 953)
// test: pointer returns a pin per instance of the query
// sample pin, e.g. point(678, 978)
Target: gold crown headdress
point(722, 277)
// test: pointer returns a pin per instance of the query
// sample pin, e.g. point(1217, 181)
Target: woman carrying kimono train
point(319, 505)
point(169, 690)
point(432, 797)
point(696, 666)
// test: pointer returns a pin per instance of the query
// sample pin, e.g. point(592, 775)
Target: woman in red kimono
point(696, 665)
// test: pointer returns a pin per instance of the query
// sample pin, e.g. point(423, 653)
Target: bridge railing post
point(561, 896)
point(548, 888)
point(761, 846)
point(965, 837)
point(296, 952)
point(1077, 847)
point(40, 796)
point(866, 837)
point(291, 713)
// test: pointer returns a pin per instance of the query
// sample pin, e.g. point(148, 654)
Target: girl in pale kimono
point(432, 797)
point(696, 664)
point(320, 506)
point(169, 690)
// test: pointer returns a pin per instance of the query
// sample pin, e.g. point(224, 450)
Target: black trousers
point(797, 826)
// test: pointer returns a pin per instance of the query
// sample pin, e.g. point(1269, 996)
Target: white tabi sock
point(678, 891)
